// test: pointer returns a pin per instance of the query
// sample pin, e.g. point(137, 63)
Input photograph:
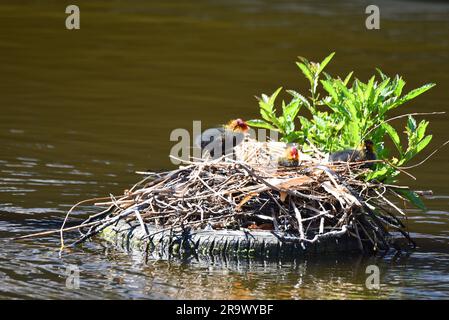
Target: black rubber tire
point(241, 243)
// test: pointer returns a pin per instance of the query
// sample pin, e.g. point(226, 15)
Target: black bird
point(366, 153)
point(221, 141)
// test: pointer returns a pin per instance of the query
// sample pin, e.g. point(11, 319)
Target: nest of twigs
point(313, 200)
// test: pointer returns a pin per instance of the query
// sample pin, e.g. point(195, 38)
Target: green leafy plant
point(285, 123)
point(343, 113)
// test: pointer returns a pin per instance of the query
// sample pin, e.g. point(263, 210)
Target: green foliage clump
point(343, 113)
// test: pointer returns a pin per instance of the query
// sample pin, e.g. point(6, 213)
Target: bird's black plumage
point(348, 155)
point(219, 141)
point(355, 155)
point(222, 141)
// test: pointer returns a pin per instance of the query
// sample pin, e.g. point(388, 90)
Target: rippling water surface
point(81, 111)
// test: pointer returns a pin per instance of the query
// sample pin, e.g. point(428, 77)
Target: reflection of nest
point(314, 200)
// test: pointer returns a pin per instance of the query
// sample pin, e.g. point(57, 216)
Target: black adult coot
point(221, 141)
point(366, 153)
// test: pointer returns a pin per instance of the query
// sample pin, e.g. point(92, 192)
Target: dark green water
point(82, 110)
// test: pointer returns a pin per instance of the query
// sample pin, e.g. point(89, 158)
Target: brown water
point(82, 110)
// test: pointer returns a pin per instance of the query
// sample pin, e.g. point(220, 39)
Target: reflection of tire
point(129, 236)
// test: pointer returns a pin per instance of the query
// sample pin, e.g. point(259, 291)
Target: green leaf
point(382, 75)
point(263, 104)
point(380, 90)
point(281, 123)
point(292, 109)
point(353, 111)
point(299, 97)
point(411, 124)
point(266, 115)
point(394, 136)
point(326, 60)
point(348, 77)
point(416, 92)
point(261, 124)
point(294, 136)
point(413, 198)
point(377, 175)
point(266, 104)
point(303, 60)
point(327, 75)
point(288, 125)
point(305, 123)
point(369, 88)
point(342, 87)
point(399, 85)
point(423, 143)
point(420, 132)
point(327, 85)
point(274, 96)
point(306, 71)
point(409, 96)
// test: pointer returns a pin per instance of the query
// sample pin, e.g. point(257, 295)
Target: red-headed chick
point(290, 158)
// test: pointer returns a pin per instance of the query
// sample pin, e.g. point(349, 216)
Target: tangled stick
point(314, 200)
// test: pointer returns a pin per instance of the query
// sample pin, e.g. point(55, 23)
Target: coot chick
point(291, 157)
point(366, 153)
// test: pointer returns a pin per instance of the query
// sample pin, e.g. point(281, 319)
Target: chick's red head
point(238, 125)
point(293, 153)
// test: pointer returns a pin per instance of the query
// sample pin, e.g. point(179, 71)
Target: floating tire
point(130, 236)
